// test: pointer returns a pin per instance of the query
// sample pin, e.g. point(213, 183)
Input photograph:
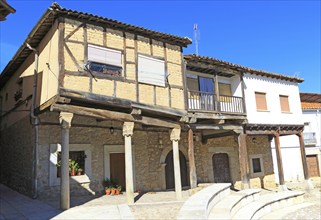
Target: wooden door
point(221, 168)
point(169, 170)
point(117, 168)
point(313, 165)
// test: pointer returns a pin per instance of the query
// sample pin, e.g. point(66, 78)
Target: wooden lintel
point(225, 134)
point(136, 111)
point(215, 127)
point(94, 98)
point(107, 114)
point(221, 116)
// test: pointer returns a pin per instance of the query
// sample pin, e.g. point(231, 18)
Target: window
point(256, 165)
point(104, 60)
point(151, 70)
point(76, 163)
point(284, 102)
point(225, 89)
point(260, 99)
point(80, 154)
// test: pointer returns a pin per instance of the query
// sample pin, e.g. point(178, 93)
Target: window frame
point(53, 159)
point(106, 64)
point(288, 109)
point(256, 102)
point(157, 59)
point(260, 157)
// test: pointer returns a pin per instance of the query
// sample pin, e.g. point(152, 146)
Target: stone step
point(228, 206)
point(199, 205)
point(281, 213)
point(267, 203)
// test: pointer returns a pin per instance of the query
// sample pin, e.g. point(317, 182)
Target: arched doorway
point(221, 168)
point(169, 170)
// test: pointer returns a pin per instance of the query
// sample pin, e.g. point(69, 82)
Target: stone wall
point(16, 150)
point(150, 150)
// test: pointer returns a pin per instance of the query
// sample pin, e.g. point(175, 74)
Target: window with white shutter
point(104, 60)
point(151, 70)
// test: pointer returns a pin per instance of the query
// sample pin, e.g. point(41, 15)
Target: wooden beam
point(61, 52)
point(244, 161)
point(279, 157)
point(136, 68)
point(94, 98)
point(303, 157)
point(107, 114)
point(213, 115)
point(243, 93)
point(191, 158)
point(215, 127)
point(218, 135)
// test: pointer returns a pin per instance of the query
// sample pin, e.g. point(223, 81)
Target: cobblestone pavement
point(312, 212)
point(158, 205)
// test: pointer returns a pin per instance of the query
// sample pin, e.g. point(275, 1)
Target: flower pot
point(72, 172)
point(117, 192)
point(113, 192)
point(108, 191)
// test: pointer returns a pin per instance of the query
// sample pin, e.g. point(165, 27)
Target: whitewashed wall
point(273, 88)
point(290, 150)
point(313, 117)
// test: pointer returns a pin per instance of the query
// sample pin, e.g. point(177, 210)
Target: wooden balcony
point(205, 101)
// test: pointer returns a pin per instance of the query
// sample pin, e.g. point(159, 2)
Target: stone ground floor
point(151, 205)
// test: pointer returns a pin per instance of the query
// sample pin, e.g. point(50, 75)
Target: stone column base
point(282, 188)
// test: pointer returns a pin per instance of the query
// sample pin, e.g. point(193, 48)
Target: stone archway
point(163, 164)
point(169, 170)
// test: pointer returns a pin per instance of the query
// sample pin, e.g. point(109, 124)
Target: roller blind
point(151, 70)
point(260, 99)
point(104, 55)
point(225, 89)
point(284, 102)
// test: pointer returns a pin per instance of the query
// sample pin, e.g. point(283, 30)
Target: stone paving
point(150, 205)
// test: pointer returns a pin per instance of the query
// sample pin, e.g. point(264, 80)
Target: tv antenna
point(196, 38)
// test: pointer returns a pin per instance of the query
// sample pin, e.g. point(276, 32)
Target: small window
point(256, 164)
point(76, 163)
point(260, 99)
point(225, 92)
point(151, 70)
point(284, 102)
point(104, 60)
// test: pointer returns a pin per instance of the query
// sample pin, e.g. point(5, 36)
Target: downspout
point(35, 123)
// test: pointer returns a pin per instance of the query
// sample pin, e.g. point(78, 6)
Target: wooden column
point(175, 137)
point(192, 168)
point(65, 122)
point(128, 128)
point(308, 184)
point(244, 161)
point(303, 156)
point(279, 158)
point(217, 94)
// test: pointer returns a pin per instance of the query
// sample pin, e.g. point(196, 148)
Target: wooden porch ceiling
point(272, 129)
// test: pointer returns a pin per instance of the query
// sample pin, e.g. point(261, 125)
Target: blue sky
point(276, 36)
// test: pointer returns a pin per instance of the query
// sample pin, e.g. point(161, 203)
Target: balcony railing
point(309, 138)
point(208, 102)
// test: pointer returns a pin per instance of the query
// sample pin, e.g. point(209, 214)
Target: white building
point(293, 170)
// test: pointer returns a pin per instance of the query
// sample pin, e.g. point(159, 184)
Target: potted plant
point(107, 190)
point(113, 191)
point(79, 171)
point(73, 167)
point(118, 189)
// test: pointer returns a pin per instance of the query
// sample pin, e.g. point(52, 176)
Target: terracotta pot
point(79, 173)
point(113, 192)
point(72, 173)
point(108, 191)
point(117, 192)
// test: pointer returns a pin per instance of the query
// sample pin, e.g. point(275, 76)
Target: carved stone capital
point(128, 129)
point(175, 134)
point(65, 119)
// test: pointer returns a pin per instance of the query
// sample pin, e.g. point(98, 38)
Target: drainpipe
point(35, 123)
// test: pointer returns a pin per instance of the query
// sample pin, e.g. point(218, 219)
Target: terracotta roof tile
point(310, 105)
point(213, 61)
